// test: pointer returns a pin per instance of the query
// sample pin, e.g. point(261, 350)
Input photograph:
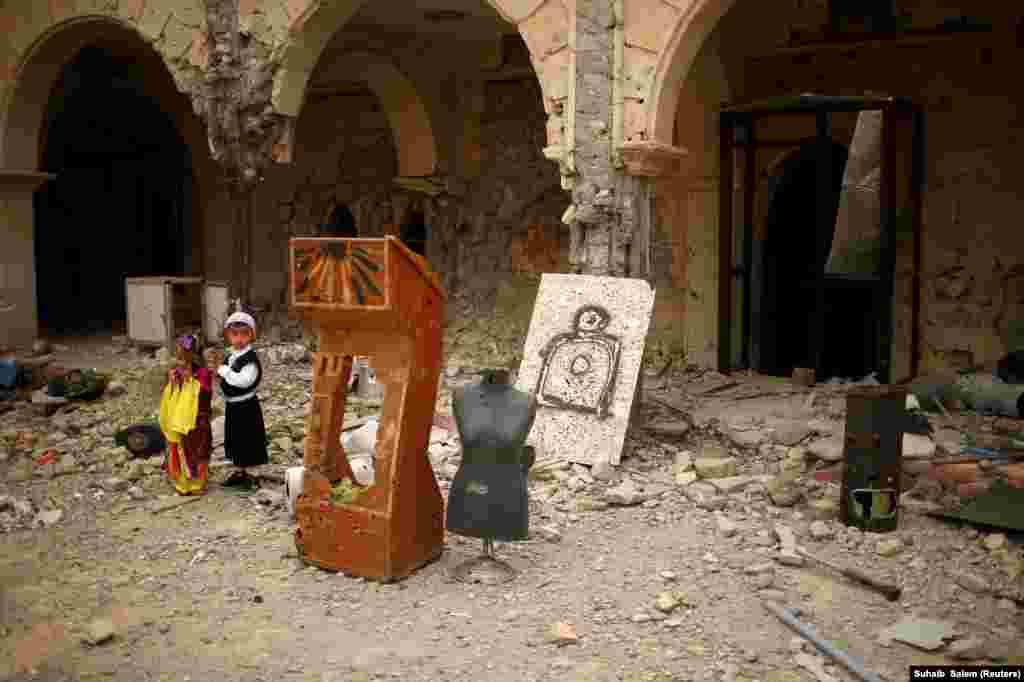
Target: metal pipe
point(808, 633)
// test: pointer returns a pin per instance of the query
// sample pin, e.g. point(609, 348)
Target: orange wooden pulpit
point(370, 297)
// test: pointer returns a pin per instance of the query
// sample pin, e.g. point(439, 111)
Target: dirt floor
point(644, 576)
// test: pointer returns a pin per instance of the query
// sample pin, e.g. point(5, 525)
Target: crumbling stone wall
point(971, 260)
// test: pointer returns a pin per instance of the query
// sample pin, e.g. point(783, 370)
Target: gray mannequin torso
point(488, 498)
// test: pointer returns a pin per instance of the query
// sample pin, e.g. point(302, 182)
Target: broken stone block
point(685, 478)
point(889, 547)
point(705, 496)
point(921, 633)
point(792, 434)
point(783, 492)
point(715, 468)
point(970, 649)
point(602, 471)
point(731, 484)
point(667, 602)
point(99, 631)
point(821, 531)
point(823, 509)
point(625, 494)
point(673, 429)
point(114, 484)
point(972, 582)
point(994, 541)
point(829, 449)
point(726, 527)
point(49, 517)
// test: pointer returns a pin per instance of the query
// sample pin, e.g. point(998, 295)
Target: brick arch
point(685, 39)
point(543, 24)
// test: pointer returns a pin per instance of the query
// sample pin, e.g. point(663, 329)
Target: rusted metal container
point(872, 457)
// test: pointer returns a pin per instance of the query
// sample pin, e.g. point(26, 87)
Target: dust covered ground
point(653, 571)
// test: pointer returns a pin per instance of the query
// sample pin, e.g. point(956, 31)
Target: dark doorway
point(121, 205)
point(413, 233)
point(793, 257)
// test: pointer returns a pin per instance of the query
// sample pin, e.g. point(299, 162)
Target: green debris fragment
point(345, 492)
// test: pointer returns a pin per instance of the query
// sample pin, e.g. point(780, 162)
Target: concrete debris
point(626, 494)
point(602, 471)
point(49, 517)
point(667, 602)
point(821, 531)
point(726, 527)
point(922, 633)
point(970, 649)
point(731, 484)
point(813, 665)
point(994, 541)
point(829, 449)
point(792, 434)
point(548, 533)
point(715, 467)
point(705, 496)
point(972, 582)
point(889, 547)
point(99, 632)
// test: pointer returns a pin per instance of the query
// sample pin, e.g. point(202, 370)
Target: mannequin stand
point(487, 568)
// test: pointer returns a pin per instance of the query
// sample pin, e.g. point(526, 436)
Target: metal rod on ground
point(808, 633)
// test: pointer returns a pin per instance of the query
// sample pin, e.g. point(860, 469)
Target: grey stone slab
point(583, 364)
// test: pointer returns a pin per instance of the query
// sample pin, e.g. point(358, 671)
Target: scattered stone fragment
point(667, 602)
point(823, 508)
point(970, 649)
point(889, 547)
point(972, 582)
point(673, 429)
point(783, 491)
point(715, 467)
point(994, 541)
point(921, 633)
point(705, 496)
point(562, 634)
point(821, 531)
point(829, 449)
point(548, 533)
point(602, 470)
point(685, 478)
point(99, 631)
point(790, 559)
point(136, 493)
point(731, 484)
point(683, 461)
point(792, 434)
point(114, 484)
point(773, 595)
point(726, 527)
point(135, 470)
point(50, 517)
point(813, 665)
point(115, 389)
point(763, 581)
point(669, 576)
point(625, 494)
point(786, 537)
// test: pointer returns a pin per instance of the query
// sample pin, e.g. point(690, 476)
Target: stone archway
point(543, 24)
point(23, 126)
point(678, 54)
point(407, 114)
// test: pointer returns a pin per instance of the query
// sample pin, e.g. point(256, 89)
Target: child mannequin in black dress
point(245, 436)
